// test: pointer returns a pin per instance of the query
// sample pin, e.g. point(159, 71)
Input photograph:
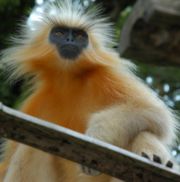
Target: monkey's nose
point(70, 38)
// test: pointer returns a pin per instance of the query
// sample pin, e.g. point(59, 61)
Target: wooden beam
point(152, 32)
point(87, 151)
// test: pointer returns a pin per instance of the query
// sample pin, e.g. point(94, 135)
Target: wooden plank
point(152, 32)
point(98, 155)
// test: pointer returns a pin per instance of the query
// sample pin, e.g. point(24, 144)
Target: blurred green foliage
point(12, 12)
point(161, 75)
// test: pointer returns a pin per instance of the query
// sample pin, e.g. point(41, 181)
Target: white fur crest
point(73, 14)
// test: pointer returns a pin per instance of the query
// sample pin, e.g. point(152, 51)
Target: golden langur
point(79, 82)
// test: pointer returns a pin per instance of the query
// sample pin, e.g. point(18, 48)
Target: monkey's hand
point(157, 159)
point(150, 147)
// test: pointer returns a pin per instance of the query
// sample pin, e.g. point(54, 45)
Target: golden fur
point(97, 94)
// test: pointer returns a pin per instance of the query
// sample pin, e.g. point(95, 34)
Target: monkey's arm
point(141, 125)
point(134, 130)
point(120, 124)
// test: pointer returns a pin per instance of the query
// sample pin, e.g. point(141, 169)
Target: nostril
point(70, 40)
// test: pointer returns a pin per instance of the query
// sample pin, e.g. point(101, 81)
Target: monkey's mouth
point(70, 52)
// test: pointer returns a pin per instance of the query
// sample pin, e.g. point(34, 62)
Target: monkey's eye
point(59, 33)
point(80, 34)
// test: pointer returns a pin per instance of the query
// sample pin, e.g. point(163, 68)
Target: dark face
point(69, 41)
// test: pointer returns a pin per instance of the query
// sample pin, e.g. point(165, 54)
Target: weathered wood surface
point(152, 32)
point(71, 145)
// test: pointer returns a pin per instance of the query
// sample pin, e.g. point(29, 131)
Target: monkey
point(80, 82)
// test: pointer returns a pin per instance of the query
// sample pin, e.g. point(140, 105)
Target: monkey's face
point(69, 42)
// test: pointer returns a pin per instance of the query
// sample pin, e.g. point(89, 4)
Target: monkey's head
point(66, 36)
